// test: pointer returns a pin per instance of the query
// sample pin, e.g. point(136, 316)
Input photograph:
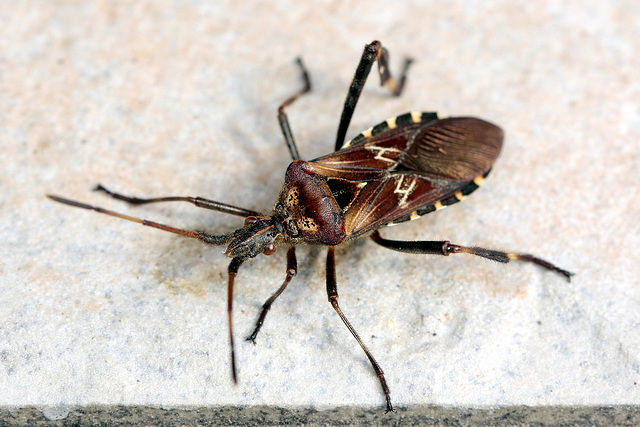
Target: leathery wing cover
point(391, 175)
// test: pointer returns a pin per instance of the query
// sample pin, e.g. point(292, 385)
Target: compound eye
point(250, 220)
point(270, 249)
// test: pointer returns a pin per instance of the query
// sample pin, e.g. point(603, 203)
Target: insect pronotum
point(396, 171)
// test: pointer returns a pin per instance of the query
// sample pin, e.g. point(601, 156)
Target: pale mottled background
point(179, 98)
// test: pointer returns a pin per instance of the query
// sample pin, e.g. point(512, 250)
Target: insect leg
point(204, 237)
point(292, 270)
point(446, 248)
point(282, 116)
point(197, 201)
point(372, 52)
point(332, 292)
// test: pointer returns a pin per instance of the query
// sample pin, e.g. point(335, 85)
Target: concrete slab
point(180, 98)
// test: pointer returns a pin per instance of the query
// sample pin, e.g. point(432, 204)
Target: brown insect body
point(396, 171)
point(387, 178)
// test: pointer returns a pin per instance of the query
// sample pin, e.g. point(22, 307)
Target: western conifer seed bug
point(396, 171)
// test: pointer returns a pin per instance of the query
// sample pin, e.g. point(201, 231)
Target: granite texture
point(167, 97)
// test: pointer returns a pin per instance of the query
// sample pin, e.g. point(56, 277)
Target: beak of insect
point(256, 237)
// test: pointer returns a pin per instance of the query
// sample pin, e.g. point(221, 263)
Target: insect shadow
point(405, 167)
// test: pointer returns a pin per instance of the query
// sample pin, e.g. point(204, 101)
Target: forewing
point(391, 174)
point(456, 149)
point(380, 152)
point(393, 198)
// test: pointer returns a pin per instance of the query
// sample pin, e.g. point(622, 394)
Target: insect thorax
point(306, 208)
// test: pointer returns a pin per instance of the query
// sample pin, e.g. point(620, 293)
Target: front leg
point(197, 201)
point(292, 270)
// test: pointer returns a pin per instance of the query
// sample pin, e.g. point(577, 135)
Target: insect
point(396, 171)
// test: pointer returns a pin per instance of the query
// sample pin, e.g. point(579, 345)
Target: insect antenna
point(202, 236)
point(234, 265)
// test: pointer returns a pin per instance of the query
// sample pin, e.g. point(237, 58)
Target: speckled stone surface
point(179, 98)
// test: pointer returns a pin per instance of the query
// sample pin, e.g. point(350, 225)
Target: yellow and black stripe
point(392, 123)
point(458, 196)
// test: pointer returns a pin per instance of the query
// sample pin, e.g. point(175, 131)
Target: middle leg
point(282, 116)
point(332, 292)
